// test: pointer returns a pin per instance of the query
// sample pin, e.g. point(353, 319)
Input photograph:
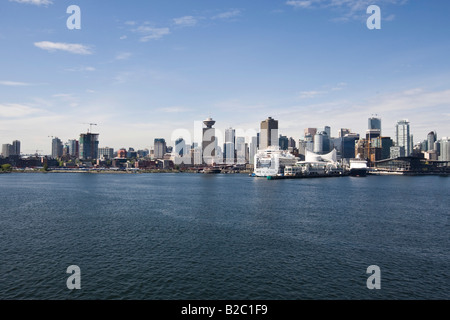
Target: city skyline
point(142, 71)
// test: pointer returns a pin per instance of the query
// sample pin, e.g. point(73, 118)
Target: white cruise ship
point(358, 167)
point(272, 161)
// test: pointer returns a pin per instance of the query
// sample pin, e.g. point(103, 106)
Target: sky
point(142, 70)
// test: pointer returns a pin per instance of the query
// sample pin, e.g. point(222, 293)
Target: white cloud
point(35, 2)
point(186, 21)
point(14, 83)
point(67, 98)
point(173, 109)
point(15, 110)
point(68, 47)
point(351, 9)
point(123, 55)
point(123, 37)
point(81, 69)
point(228, 14)
point(300, 4)
point(151, 33)
point(310, 94)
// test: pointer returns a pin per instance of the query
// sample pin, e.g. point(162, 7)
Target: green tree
point(6, 167)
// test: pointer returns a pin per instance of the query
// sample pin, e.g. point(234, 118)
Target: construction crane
point(90, 126)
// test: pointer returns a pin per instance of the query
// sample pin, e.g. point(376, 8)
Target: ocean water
point(223, 237)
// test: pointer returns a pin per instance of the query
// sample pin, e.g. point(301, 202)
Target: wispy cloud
point(351, 9)
point(67, 98)
point(81, 69)
point(174, 109)
point(15, 110)
point(310, 94)
point(123, 55)
point(35, 2)
point(151, 33)
point(227, 14)
point(186, 21)
point(68, 47)
point(14, 83)
point(300, 4)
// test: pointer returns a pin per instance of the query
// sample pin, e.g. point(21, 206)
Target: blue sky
point(142, 69)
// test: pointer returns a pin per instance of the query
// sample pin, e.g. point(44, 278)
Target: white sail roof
point(314, 157)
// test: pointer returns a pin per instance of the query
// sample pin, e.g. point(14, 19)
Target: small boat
point(212, 170)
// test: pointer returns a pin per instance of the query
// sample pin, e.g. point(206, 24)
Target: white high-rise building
point(403, 136)
point(444, 149)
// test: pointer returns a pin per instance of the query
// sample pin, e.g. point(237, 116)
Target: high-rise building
point(180, 147)
point(318, 143)
point(240, 150)
point(403, 136)
point(348, 145)
point(160, 148)
point(327, 129)
point(431, 139)
point(374, 124)
point(444, 154)
point(106, 153)
point(7, 150)
point(253, 149)
point(321, 143)
point(209, 142)
point(229, 145)
point(310, 131)
point(74, 148)
point(343, 132)
point(269, 133)
point(291, 143)
point(16, 147)
point(88, 146)
point(57, 148)
point(283, 142)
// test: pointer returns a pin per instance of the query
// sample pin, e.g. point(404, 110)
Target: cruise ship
point(272, 161)
point(358, 167)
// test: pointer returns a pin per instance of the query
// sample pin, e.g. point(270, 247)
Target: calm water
point(194, 236)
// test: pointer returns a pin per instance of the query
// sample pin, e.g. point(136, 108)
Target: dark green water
point(194, 236)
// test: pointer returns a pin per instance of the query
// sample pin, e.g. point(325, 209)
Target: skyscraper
point(230, 145)
point(73, 148)
point(374, 124)
point(160, 148)
point(57, 148)
point(269, 133)
point(7, 150)
point(253, 149)
point(88, 146)
point(310, 132)
point(402, 136)
point(180, 147)
point(241, 150)
point(444, 149)
point(16, 147)
point(283, 142)
point(431, 138)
